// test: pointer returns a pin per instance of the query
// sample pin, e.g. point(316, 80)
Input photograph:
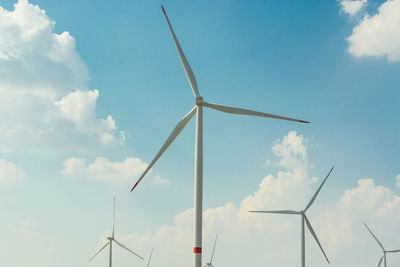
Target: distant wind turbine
point(383, 258)
point(111, 239)
point(304, 219)
point(209, 264)
point(198, 175)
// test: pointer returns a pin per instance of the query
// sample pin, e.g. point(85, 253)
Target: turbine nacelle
point(199, 101)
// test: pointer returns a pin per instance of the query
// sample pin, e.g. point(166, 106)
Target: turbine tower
point(112, 239)
point(304, 219)
point(209, 264)
point(383, 258)
point(198, 165)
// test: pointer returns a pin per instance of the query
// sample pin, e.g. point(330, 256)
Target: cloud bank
point(275, 239)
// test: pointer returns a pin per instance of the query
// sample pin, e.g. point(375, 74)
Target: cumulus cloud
point(378, 35)
point(292, 151)
point(34, 59)
point(102, 169)
point(10, 173)
point(79, 107)
point(44, 100)
point(352, 7)
point(338, 225)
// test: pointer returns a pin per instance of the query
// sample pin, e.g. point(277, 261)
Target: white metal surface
point(198, 189)
point(108, 243)
point(303, 243)
point(188, 70)
point(151, 253)
point(242, 111)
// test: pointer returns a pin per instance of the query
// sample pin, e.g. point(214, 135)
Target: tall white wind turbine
point(384, 251)
point(198, 167)
point(209, 264)
point(112, 239)
point(304, 219)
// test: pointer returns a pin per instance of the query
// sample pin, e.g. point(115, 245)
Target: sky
point(90, 90)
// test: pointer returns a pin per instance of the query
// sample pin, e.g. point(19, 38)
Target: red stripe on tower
point(196, 250)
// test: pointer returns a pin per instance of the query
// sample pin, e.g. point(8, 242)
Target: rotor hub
point(199, 101)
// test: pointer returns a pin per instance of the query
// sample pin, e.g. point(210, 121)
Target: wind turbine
point(111, 239)
point(198, 165)
point(209, 264)
point(383, 258)
point(304, 219)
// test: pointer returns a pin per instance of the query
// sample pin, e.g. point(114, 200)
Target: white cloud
point(79, 107)
point(102, 169)
point(45, 104)
point(352, 7)
point(33, 58)
point(159, 180)
point(292, 151)
point(338, 225)
point(10, 173)
point(378, 35)
point(398, 181)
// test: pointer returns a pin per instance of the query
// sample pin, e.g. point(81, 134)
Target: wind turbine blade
point(397, 250)
point(319, 189)
point(151, 253)
point(100, 250)
point(276, 211)
point(380, 261)
point(178, 128)
point(374, 236)
point(315, 236)
point(215, 242)
point(188, 70)
point(122, 246)
point(113, 226)
point(241, 111)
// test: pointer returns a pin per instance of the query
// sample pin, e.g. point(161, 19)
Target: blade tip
point(134, 186)
point(304, 121)
point(163, 9)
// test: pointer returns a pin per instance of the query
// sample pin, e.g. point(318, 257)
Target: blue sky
point(314, 61)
